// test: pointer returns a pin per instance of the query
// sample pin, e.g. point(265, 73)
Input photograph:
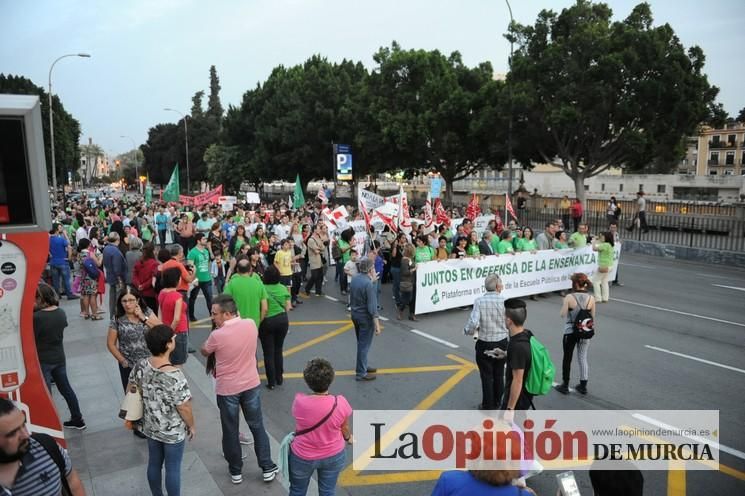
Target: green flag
point(298, 199)
point(171, 193)
point(148, 194)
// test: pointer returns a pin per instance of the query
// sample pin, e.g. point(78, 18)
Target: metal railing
point(678, 229)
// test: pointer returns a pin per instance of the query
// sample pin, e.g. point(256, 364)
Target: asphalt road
point(673, 337)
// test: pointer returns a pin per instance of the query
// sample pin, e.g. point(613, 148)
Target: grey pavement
point(692, 312)
point(111, 461)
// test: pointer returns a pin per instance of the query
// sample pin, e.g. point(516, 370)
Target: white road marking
point(330, 298)
point(682, 355)
point(434, 338)
point(739, 324)
point(728, 287)
point(663, 425)
point(384, 319)
point(637, 265)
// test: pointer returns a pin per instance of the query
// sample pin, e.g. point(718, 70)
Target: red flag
point(441, 217)
point(508, 204)
point(473, 210)
point(365, 214)
point(322, 196)
point(499, 225)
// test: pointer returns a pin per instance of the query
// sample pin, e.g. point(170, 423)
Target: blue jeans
point(250, 402)
point(364, 329)
point(396, 276)
point(301, 470)
point(61, 271)
point(171, 454)
point(58, 372)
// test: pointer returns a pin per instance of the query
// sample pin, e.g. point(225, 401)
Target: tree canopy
point(66, 127)
point(599, 94)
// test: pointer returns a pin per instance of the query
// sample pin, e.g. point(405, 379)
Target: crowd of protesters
point(251, 265)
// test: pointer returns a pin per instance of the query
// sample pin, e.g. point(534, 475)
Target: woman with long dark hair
point(274, 327)
point(577, 299)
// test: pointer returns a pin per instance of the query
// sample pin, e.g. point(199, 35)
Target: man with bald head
point(487, 317)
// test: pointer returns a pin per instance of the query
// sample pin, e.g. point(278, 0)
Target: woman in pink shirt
point(321, 432)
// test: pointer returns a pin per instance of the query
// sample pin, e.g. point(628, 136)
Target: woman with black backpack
point(578, 310)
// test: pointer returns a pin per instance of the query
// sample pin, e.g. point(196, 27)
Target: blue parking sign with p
point(343, 163)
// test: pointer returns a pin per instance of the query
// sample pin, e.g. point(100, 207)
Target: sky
point(150, 54)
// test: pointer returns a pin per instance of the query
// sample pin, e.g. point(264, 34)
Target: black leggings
point(272, 333)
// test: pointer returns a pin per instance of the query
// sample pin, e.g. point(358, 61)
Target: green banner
point(298, 199)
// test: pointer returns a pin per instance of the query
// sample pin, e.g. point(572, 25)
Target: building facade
point(716, 152)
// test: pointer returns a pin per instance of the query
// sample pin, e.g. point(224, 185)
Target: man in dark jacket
point(115, 267)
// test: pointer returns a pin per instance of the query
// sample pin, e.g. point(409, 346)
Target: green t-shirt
point(201, 259)
point(505, 246)
point(605, 255)
point(424, 254)
point(472, 250)
point(495, 243)
point(277, 298)
point(345, 254)
point(248, 291)
point(577, 240)
point(526, 244)
point(560, 245)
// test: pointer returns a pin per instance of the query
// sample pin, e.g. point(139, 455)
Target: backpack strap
point(320, 422)
point(52, 448)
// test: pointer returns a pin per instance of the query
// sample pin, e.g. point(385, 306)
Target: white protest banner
point(368, 199)
point(457, 283)
point(252, 197)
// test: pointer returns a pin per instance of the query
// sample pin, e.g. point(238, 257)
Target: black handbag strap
point(320, 422)
point(52, 448)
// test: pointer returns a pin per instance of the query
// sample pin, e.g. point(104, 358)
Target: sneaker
point(562, 388)
point(271, 474)
point(368, 377)
point(581, 389)
point(244, 439)
point(371, 370)
point(349, 309)
point(78, 424)
point(236, 479)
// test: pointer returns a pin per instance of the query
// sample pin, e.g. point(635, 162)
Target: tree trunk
point(449, 183)
point(579, 188)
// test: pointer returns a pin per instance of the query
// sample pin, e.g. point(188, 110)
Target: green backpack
point(541, 375)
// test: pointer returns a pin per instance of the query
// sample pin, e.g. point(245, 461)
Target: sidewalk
point(109, 458)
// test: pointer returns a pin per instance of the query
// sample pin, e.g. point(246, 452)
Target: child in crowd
point(350, 269)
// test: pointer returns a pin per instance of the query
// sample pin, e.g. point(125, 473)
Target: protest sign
point(252, 197)
point(457, 283)
point(368, 199)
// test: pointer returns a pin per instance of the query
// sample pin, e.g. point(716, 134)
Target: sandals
point(85, 316)
point(96, 317)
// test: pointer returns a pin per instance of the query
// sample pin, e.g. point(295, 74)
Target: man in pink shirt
point(237, 385)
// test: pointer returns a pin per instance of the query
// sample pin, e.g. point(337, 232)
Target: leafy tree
point(599, 94)
point(214, 107)
point(717, 117)
point(741, 116)
point(196, 105)
point(435, 113)
point(163, 149)
point(287, 125)
point(66, 127)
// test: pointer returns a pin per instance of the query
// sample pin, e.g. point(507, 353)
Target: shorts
point(285, 280)
point(179, 354)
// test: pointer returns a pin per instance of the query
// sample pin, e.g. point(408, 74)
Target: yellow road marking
point(402, 370)
point(314, 341)
point(732, 472)
point(352, 477)
point(676, 479)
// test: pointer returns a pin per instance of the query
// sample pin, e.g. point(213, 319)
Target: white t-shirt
point(642, 204)
point(81, 233)
point(350, 268)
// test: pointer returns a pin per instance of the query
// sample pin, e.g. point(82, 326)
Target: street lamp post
point(137, 170)
point(509, 126)
point(51, 124)
point(186, 137)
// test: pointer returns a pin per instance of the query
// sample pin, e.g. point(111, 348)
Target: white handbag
point(131, 407)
